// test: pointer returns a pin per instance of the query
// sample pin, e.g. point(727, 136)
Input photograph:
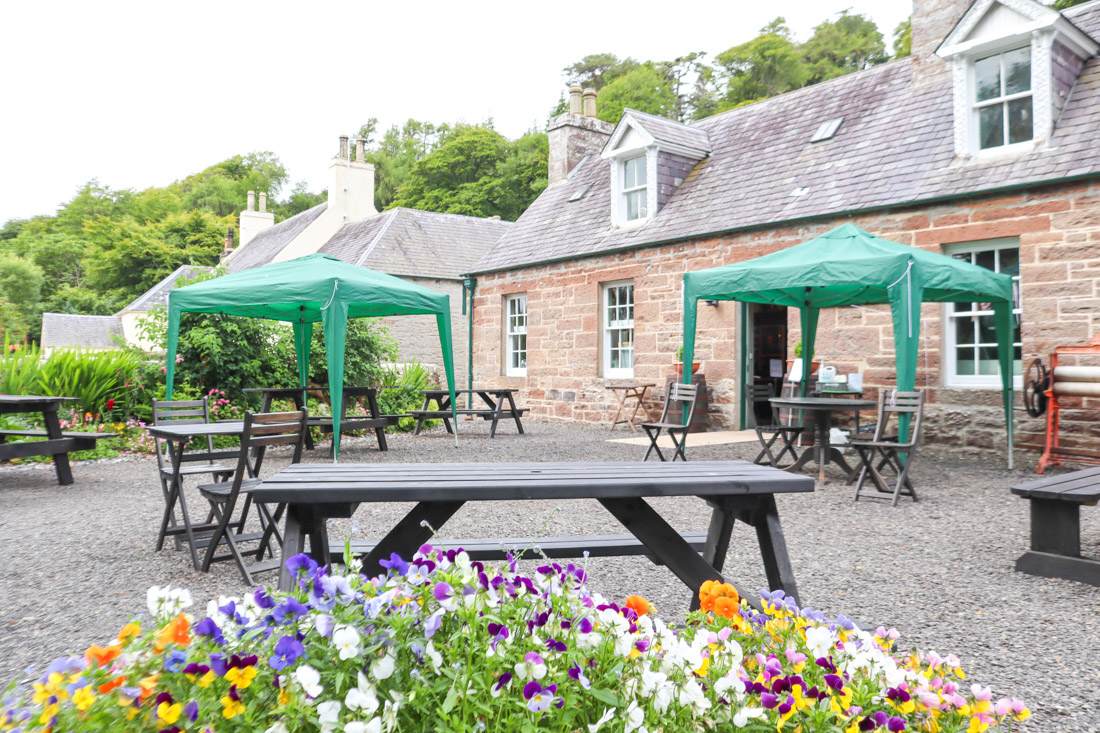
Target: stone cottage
point(984, 144)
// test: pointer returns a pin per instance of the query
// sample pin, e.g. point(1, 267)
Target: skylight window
point(826, 130)
point(578, 195)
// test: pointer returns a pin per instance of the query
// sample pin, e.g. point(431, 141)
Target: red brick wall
point(1059, 233)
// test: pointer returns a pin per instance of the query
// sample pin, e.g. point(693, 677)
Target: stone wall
point(418, 337)
point(1059, 233)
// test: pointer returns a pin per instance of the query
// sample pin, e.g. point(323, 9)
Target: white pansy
point(608, 714)
point(363, 698)
point(624, 645)
point(347, 640)
point(383, 668)
point(309, 679)
point(692, 695)
point(389, 714)
point(166, 602)
point(729, 682)
point(819, 640)
point(662, 696)
point(434, 657)
point(635, 716)
point(279, 727)
point(742, 717)
point(651, 681)
point(358, 726)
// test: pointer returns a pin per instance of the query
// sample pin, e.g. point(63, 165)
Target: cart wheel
point(1036, 383)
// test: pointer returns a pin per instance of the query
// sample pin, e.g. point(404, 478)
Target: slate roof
point(267, 244)
point(665, 130)
point(413, 243)
point(158, 294)
point(895, 147)
point(63, 330)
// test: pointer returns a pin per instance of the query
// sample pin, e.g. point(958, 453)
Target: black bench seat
point(484, 412)
point(67, 443)
point(1056, 503)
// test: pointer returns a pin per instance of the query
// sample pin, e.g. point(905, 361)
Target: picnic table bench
point(494, 408)
point(58, 443)
point(375, 421)
point(1056, 503)
point(735, 490)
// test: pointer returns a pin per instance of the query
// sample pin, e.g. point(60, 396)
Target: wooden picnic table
point(736, 490)
point(376, 420)
point(494, 408)
point(630, 391)
point(1056, 503)
point(177, 437)
point(822, 451)
point(57, 444)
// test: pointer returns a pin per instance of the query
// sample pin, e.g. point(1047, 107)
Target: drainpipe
point(468, 286)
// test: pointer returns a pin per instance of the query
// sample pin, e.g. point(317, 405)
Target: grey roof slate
point(267, 244)
point(413, 243)
point(158, 294)
point(666, 130)
point(895, 147)
point(64, 330)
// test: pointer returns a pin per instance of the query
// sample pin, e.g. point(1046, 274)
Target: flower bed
point(443, 643)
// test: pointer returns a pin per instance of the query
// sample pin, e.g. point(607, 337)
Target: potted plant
point(797, 351)
point(680, 363)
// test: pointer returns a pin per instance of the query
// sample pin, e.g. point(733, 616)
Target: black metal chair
point(684, 395)
point(194, 462)
point(261, 431)
point(882, 454)
point(778, 432)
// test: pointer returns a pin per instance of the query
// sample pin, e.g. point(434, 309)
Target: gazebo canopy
point(850, 266)
point(307, 290)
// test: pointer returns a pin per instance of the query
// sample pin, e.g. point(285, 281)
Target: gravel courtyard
point(80, 558)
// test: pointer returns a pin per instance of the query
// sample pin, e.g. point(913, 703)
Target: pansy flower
point(539, 698)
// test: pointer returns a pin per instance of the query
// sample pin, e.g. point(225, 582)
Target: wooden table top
point(170, 431)
point(476, 390)
point(14, 403)
point(632, 385)
point(358, 482)
point(823, 403)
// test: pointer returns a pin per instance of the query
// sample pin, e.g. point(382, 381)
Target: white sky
point(140, 94)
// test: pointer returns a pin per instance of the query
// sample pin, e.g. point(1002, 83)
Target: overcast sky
point(141, 94)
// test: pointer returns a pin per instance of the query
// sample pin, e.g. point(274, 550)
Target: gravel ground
point(80, 558)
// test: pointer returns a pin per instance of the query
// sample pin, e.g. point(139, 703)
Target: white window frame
point(610, 322)
point(1002, 100)
point(515, 329)
point(640, 192)
point(978, 381)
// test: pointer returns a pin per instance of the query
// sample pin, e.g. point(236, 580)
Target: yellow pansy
point(169, 714)
point(231, 708)
point(241, 676)
point(83, 698)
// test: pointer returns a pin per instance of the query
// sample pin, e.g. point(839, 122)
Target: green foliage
point(299, 200)
point(405, 384)
point(93, 377)
point(850, 43)
point(398, 151)
point(644, 88)
point(19, 370)
point(903, 39)
point(59, 255)
point(79, 300)
point(221, 188)
point(467, 175)
point(767, 65)
point(20, 291)
point(367, 345)
point(1063, 4)
point(598, 70)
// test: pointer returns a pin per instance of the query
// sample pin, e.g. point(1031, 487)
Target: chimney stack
point(343, 155)
point(263, 201)
point(360, 151)
point(251, 201)
point(575, 134)
point(931, 21)
point(351, 193)
point(228, 243)
point(575, 100)
point(589, 102)
point(253, 222)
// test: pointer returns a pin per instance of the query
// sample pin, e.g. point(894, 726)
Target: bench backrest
point(684, 395)
point(180, 412)
point(895, 402)
point(757, 393)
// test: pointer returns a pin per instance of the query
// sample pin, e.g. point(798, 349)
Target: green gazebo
point(308, 290)
point(850, 266)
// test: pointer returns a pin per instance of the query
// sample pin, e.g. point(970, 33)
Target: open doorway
point(769, 351)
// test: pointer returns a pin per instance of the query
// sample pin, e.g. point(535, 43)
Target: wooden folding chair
point(261, 431)
point(787, 434)
point(882, 454)
point(685, 395)
point(194, 462)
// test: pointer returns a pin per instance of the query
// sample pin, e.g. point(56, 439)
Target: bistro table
point(57, 444)
point(177, 437)
point(630, 391)
point(822, 452)
point(736, 490)
point(494, 408)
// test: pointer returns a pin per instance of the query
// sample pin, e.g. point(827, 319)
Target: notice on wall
point(775, 367)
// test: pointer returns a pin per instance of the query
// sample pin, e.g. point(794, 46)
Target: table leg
point(60, 460)
point(375, 413)
point(773, 548)
point(639, 395)
point(420, 420)
point(718, 543)
point(620, 395)
point(496, 407)
point(444, 404)
point(666, 544)
point(298, 405)
point(515, 411)
point(294, 543)
point(410, 533)
point(821, 444)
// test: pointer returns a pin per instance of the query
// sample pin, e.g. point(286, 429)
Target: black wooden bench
point(1056, 526)
point(494, 407)
point(67, 443)
point(375, 421)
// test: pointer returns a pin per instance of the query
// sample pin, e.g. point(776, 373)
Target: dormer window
point(635, 204)
point(1002, 104)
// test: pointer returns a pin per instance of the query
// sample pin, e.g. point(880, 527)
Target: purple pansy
point(287, 651)
point(578, 674)
point(539, 698)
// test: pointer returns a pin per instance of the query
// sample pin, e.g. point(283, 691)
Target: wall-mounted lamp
point(713, 303)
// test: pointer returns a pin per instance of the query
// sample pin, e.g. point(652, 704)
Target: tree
point(598, 70)
point(767, 65)
point(221, 189)
point(645, 89)
point(20, 291)
point(1063, 4)
point(299, 200)
point(459, 177)
point(524, 173)
point(850, 43)
point(60, 256)
point(397, 152)
point(903, 39)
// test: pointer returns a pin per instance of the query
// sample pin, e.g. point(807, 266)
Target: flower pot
point(680, 367)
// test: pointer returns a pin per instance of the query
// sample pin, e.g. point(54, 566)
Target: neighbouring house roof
point(270, 242)
point(895, 147)
point(64, 330)
point(158, 294)
point(413, 243)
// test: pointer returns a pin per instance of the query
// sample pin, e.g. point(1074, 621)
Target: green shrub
point(100, 380)
point(403, 394)
point(19, 370)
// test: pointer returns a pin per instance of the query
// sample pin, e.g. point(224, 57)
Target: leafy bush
point(100, 380)
point(19, 370)
point(404, 385)
point(443, 643)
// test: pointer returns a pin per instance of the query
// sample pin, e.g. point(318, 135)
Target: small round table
point(822, 451)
